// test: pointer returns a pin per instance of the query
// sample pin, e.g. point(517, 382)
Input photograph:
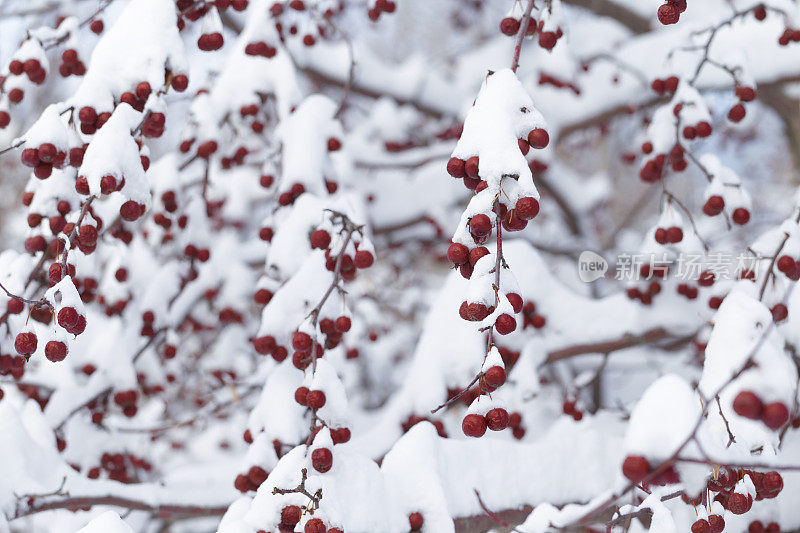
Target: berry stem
point(523, 29)
point(23, 300)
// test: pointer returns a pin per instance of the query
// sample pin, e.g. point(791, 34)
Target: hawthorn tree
point(333, 266)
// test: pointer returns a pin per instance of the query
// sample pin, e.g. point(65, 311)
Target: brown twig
point(523, 29)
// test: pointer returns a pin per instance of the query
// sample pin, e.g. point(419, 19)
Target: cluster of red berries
point(767, 484)
point(690, 292)
point(497, 419)
point(671, 235)
point(71, 65)
point(530, 318)
point(250, 480)
point(738, 111)
point(12, 365)
point(313, 399)
point(477, 311)
point(91, 120)
point(714, 524)
point(715, 204)
point(290, 517)
point(547, 39)
point(665, 85)
point(468, 169)
point(789, 266)
point(670, 12)
point(789, 35)
point(381, 6)
point(261, 49)
point(413, 420)
point(644, 296)
point(116, 465)
point(127, 401)
point(43, 159)
point(278, 9)
point(360, 260)
point(757, 526)
point(208, 42)
point(748, 405)
point(700, 130)
point(303, 345)
point(475, 425)
point(31, 68)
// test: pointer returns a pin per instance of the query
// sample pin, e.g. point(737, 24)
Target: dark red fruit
point(748, 405)
point(473, 425)
point(538, 138)
point(635, 468)
point(497, 419)
point(775, 415)
point(322, 460)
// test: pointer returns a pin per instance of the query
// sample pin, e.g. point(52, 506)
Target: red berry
point(505, 324)
point(471, 167)
point(96, 26)
point(515, 300)
point(455, 167)
point(301, 341)
point(748, 405)
point(320, 239)
point(322, 460)
point(737, 113)
point(25, 343)
point(547, 40)
point(131, 211)
point(716, 523)
point(668, 14)
point(180, 82)
point(739, 503)
point(290, 515)
point(538, 138)
point(315, 399)
point(495, 376)
point(635, 468)
point(741, 216)
point(480, 225)
point(458, 254)
point(509, 26)
point(415, 521)
point(55, 351)
point(315, 525)
point(775, 415)
point(343, 324)
point(779, 312)
point(257, 475)
point(703, 129)
point(473, 425)
point(527, 208)
point(68, 318)
point(334, 144)
point(497, 419)
point(363, 259)
point(746, 94)
point(674, 234)
point(773, 484)
point(714, 205)
point(701, 526)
